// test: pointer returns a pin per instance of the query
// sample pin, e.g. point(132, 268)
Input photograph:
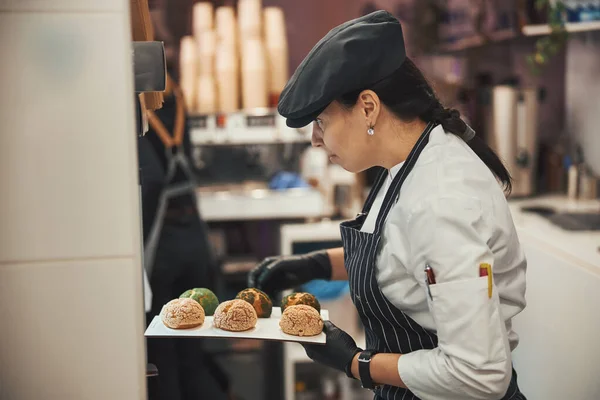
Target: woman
point(435, 267)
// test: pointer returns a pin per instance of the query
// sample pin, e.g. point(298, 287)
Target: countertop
point(582, 246)
point(239, 204)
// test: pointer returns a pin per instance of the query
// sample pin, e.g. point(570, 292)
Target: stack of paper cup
point(207, 45)
point(202, 18)
point(250, 18)
point(254, 68)
point(227, 78)
point(188, 71)
point(233, 61)
point(204, 33)
point(206, 95)
point(254, 74)
point(226, 27)
point(205, 36)
point(277, 52)
point(227, 61)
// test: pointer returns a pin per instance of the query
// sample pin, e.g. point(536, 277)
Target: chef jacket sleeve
point(472, 359)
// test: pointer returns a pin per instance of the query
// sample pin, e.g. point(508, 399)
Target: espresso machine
point(511, 127)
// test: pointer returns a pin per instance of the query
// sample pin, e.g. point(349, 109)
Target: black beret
point(350, 57)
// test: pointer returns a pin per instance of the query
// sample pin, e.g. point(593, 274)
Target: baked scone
point(182, 314)
point(235, 315)
point(301, 320)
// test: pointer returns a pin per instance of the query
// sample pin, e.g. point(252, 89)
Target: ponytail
point(408, 95)
point(493, 162)
point(450, 120)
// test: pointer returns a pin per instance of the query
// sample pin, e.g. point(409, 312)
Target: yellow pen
point(486, 270)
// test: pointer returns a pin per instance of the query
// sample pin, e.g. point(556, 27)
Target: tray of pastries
point(251, 315)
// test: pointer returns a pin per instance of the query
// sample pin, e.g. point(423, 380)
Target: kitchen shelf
point(263, 126)
point(538, 30)
point(528, 30)
point(478, 40)
point(260, 204)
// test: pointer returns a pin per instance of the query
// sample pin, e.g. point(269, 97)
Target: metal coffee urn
point(512, 133)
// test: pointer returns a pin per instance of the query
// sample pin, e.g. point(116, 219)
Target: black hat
point(350, 57)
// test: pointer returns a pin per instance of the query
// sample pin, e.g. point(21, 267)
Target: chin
point(350, 167)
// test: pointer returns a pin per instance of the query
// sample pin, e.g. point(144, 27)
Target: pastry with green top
point(205, 297)
point(259, 300)
point(300, 298)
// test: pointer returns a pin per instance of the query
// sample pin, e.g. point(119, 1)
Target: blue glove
point(287, 180)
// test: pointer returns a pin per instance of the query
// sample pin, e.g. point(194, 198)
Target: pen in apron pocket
point(486, 270)
point(429, 279)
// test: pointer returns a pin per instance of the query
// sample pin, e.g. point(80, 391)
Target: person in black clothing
point(183, 260)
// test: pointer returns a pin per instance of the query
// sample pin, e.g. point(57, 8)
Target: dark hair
point(409, 96)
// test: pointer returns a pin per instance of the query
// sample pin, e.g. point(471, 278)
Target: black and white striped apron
point(388, 329)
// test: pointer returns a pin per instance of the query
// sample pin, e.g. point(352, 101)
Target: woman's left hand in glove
point(338, 351)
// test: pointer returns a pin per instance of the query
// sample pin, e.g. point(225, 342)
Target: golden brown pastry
point(235, 315)
point(182, 314)
point(301, 320)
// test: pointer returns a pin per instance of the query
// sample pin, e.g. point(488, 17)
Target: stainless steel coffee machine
point(511, 126)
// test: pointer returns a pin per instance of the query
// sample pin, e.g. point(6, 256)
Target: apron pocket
point(468, 321)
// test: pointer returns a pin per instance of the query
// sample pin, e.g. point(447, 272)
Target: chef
point(435, 267)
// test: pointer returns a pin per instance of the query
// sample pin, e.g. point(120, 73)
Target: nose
point(317, 136)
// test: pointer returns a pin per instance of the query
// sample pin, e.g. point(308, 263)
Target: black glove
point(337, 352)
point(279, 273)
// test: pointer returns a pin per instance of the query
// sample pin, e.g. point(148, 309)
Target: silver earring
point(370, 131)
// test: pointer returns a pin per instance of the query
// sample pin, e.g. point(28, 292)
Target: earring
point(370, 131)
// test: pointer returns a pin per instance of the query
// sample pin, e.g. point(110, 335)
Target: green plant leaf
point(548, 46)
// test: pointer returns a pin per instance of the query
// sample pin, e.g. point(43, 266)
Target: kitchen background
point(464, 63)
point(524, 73)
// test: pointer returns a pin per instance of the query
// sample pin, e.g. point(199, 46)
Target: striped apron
point(388, 329)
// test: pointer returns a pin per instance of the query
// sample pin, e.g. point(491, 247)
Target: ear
point(370, 107)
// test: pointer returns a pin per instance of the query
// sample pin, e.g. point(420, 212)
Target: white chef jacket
point(452, 214)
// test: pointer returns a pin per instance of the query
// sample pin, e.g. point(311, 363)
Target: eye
point(319, 123)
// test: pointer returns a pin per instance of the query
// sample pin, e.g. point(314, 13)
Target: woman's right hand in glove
point(275, 274)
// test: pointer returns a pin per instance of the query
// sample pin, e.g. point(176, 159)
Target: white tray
point(265, 329)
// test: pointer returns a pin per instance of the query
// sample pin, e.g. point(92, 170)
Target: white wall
point(71, 305)
point(583, 94)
